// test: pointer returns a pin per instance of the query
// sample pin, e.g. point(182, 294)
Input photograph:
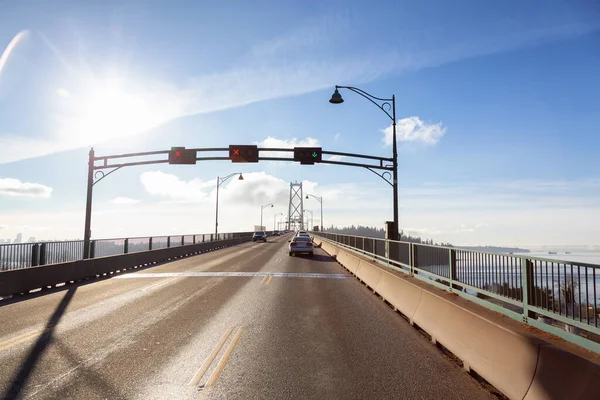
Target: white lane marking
point(251, 274)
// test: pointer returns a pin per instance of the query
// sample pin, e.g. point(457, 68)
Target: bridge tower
point(296, 207)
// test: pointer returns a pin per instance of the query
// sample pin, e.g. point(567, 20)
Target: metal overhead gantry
point(99, 167)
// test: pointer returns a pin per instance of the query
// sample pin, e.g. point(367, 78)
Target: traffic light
point(307, 155)
point(243, 153)
point(179, 155)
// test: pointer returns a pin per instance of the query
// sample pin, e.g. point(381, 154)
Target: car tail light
point(292, 244)
point(309, 244)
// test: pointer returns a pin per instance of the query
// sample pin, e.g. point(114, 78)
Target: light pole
point(220, 181)
point(261, 213)
point(382, 104)
point(311, 219)
point(274, 222)
point(320, 199)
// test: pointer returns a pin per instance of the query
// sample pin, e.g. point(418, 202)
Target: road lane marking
point(269, 280)
point(158, 284)
point(223, 361)
point(19, 339)
point(196, 379)
point(24, 337)
point(264, 279)
point(240, 274)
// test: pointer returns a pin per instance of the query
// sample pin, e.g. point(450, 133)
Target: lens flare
point(11, 47)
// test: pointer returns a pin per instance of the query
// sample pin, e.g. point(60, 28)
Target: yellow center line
point(22, 338)
point(196, 379)
point(223, 361)
point(269, 280)
point(264, 279)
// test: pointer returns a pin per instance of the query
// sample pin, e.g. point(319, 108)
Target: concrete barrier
point(328, 248)
point(505, 359)
point(404, 296)
point(370, 276)
point(522, 366)
point(351, 262)
point(26, 279)
point(563, 375)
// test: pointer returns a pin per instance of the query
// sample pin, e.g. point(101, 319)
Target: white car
point(301, 245)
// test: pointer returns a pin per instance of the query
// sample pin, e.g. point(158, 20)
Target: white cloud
point(124, 201)
point(337, 136)
point(29, 228)
point(172, 187)
point(422, 231)
point(412, 129)
point(14, 187)
point(275, 143)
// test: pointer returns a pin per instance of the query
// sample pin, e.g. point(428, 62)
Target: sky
point(496, 107)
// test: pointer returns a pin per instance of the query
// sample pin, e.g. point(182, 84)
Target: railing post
point(168, 241)
point(452, 263)
point(93, 249)
point(150, 243)
point(182, 240)
point(126, 246)
point(194, 239)
point(43, 254)
point(414, 260)
point(526, 287)
point(34, 255)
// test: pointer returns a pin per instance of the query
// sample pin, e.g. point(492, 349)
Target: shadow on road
point(39, 348)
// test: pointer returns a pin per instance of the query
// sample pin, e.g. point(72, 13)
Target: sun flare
point(107, 111)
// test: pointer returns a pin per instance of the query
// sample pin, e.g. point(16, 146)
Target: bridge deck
point(298, 328)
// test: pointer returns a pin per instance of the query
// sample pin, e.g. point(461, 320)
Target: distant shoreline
point(496, 249)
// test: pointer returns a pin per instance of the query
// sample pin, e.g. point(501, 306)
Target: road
point(243, 322)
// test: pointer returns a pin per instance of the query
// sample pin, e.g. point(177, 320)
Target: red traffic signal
point(243, 153)
point(181, 155)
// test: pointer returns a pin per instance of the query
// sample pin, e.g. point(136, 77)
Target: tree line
point(379, 233)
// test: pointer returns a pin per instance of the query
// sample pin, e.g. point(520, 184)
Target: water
point(582, 257)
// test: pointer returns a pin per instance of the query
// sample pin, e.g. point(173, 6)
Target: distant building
point(31, 240)
point(19, 238)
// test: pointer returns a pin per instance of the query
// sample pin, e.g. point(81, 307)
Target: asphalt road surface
point(246, 322)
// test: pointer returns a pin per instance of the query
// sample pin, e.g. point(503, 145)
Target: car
point(303, 234)
point(276, 233)
point(259, 235)
point(301, 245)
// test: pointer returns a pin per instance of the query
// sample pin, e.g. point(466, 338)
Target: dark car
point(260, 235)
point(276, 233)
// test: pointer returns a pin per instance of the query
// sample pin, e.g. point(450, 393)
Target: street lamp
point(320, 199)
point(274, 222)
point(261, 213)
point(385, 106)
point(220, 181)
point(311, 219)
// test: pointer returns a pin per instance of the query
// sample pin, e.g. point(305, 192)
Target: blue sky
point(496, 107)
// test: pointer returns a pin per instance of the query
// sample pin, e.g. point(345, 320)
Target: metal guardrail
point(523, 287)
point(25, 255)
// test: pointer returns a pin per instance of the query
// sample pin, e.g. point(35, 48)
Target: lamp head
point(336, 98)
point(241, 178)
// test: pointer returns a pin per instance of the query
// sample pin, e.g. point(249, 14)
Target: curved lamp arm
point(371, 98)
